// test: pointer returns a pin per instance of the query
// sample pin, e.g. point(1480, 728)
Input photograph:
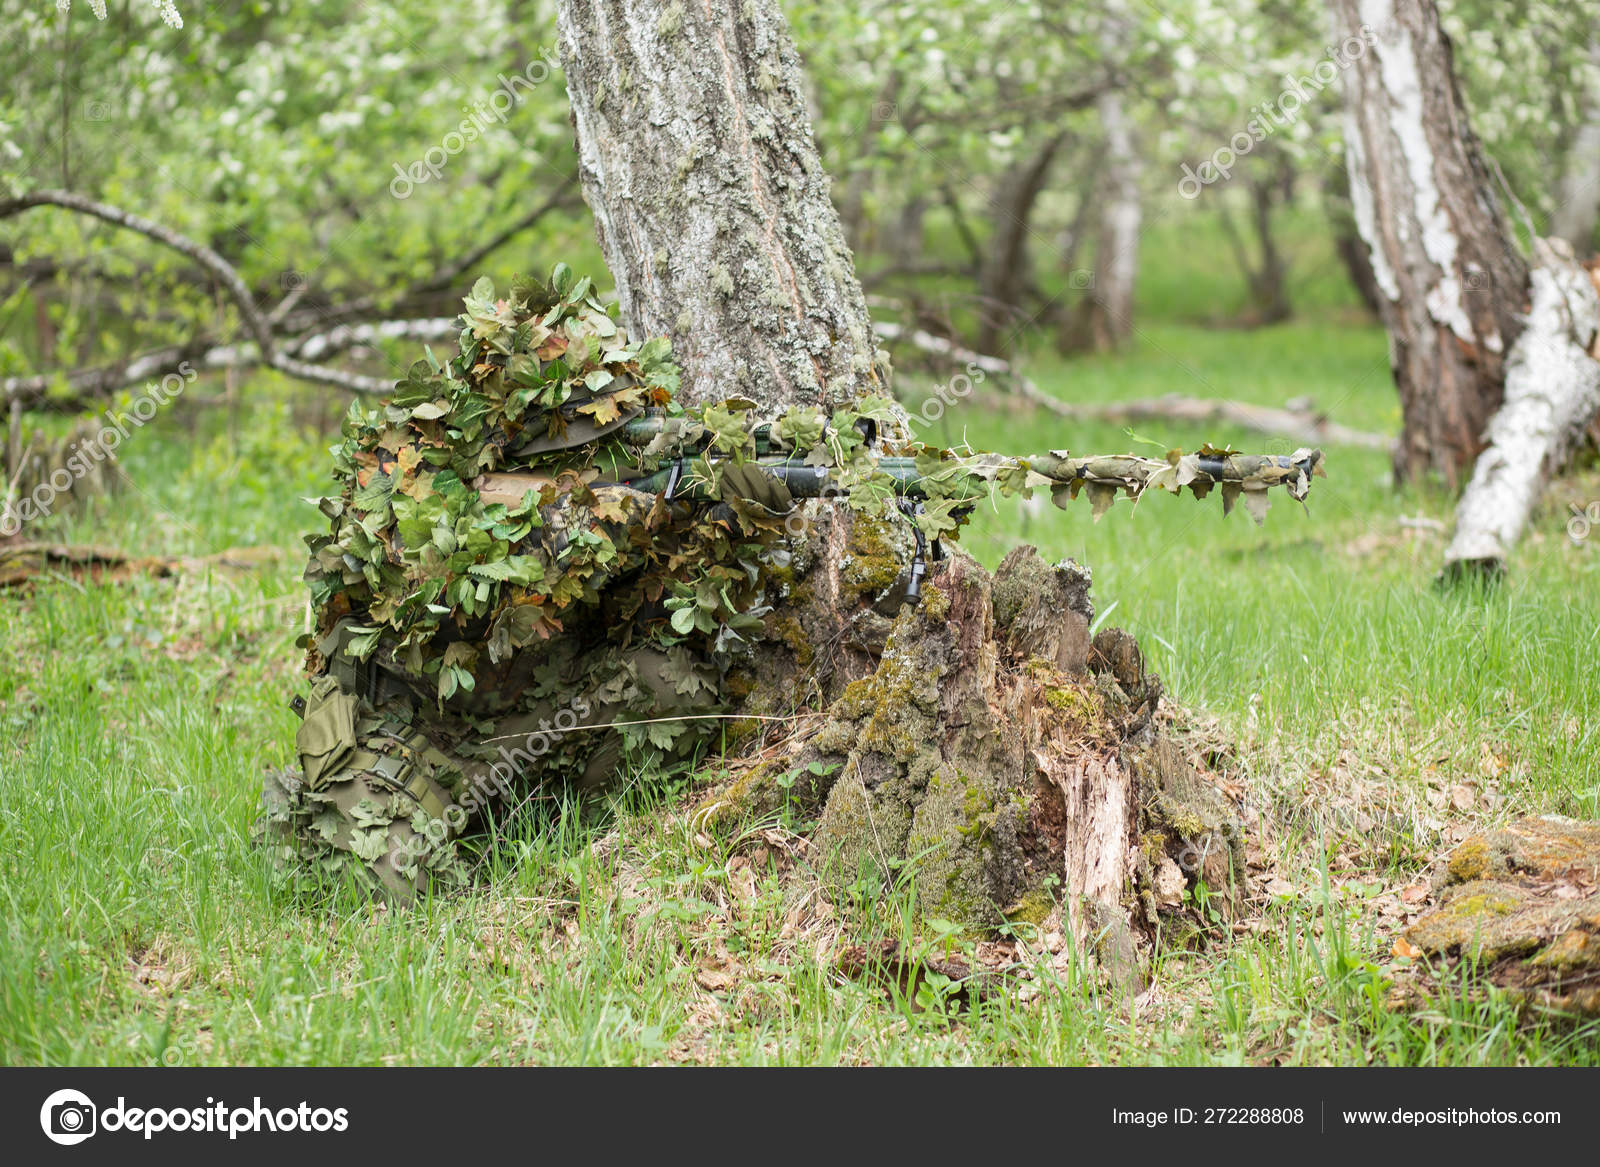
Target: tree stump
point(1519, 907)
point(980, 745)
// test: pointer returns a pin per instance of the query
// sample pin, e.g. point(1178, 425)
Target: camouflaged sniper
point(541, 567)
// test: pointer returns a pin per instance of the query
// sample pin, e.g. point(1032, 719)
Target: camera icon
point(68, 1117)
point(1081, 279)
point(95, 110)
point(289, 280)
point(1478, 280)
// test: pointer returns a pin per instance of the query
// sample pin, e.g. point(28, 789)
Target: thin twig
point(220, 269)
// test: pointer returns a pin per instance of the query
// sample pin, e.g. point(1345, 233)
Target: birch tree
point(1491, 355)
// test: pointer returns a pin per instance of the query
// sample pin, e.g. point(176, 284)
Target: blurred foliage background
point(966, 140)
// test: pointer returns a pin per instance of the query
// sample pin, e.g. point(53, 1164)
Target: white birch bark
point(1578, 198)
point(1552, 394)
point(1452, 282)
point(1117, 257)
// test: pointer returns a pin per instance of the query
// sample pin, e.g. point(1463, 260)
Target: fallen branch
point(206, 355)
point(20, 563)
point(1552, 395)
point(264, 348)
point(1304, 426)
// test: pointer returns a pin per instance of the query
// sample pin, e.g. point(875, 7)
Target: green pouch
point(328, 733)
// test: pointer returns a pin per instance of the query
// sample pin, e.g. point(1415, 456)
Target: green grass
point(138, 926)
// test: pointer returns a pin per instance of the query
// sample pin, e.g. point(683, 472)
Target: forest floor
point(1377, 721)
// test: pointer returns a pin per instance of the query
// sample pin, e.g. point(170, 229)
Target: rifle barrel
point(805, 481)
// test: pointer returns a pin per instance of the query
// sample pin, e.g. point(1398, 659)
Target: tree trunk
point(1271, 286)
point(711, 205)
point(1578, 205)
point(979, 725)
point(1347, 241)
point(906, 244)
point(1451, 280)
point(1116, 261)
point(1072, 319)
point(854, 203)
point(1552, 394)
point(1268, 279)
point(1003, 276)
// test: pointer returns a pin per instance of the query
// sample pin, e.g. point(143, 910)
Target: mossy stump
point(1521, 907)
point(981, 747)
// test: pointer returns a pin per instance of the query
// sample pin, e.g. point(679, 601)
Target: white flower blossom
point(168, 9)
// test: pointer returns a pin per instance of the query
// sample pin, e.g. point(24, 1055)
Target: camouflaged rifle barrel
point(1058, 470)
point(1115, 471)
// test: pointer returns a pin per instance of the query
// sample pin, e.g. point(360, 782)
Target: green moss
point(670, 22)
point(1033, 908)
point(789, 631)
point(978, 805)
point(780, 574)
point(1471, 861)
point(935, 604)
point(861, 834)
point(898, 704)
point(1029, 579)
point(1481, 920)
point(1153, 846)
point(1573, 951)
point(1081, 707)
point(739, 684)
point(952, 832)
point(870, 565)
point(1482, 904)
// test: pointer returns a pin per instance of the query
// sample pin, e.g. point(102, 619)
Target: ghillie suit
point(541, 564)
point(496, 611)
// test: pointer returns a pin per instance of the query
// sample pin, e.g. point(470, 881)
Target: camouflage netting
point(541, 567)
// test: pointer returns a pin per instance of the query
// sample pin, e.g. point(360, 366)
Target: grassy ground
point(1377, 721)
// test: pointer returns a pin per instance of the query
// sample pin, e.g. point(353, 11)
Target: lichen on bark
point(711, 205)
